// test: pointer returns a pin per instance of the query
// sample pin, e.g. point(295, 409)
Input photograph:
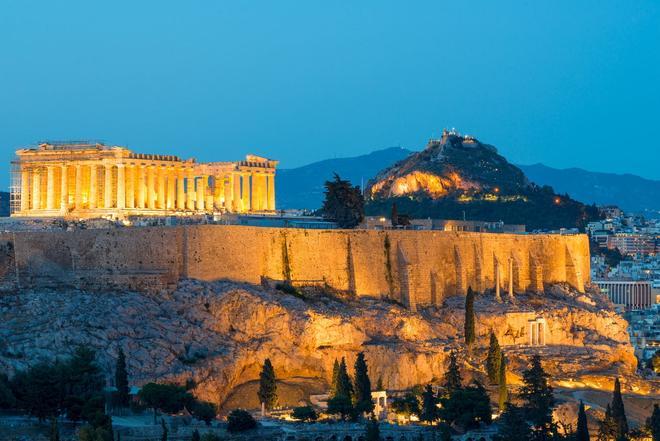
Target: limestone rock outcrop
point(219, 333)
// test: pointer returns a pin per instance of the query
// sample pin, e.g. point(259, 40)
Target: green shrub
point(239, 421)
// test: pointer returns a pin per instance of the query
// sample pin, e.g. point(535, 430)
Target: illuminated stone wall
point(414, 267)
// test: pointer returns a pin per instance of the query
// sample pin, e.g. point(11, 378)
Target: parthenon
point(89, 179)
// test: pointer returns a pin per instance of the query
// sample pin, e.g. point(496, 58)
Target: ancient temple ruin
point(90, 179)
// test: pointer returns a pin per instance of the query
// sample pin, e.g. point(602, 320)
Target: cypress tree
point(335, 376)
point(537, 393)
point(373, 431)
point(379, 384)
point(363, 401)
point(429, 405)
point(453, 374)
point(618, 411)
point(607, 428)
point(121, 380)
point(267, 388)
point(582, 433)
point(470, 335)
point(395, 216)
point(653, 423)
point(493, 359)
point(163, 436)
point(342, 402)
point(503, 393)
point(54, 430)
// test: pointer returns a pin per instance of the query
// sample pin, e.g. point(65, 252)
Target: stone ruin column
point(498, 297)
point(511, 278)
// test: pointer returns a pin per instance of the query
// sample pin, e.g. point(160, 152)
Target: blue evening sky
point(565, 83)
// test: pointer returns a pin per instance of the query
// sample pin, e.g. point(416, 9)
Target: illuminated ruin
point(86, 180)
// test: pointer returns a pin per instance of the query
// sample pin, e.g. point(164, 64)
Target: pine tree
point(121, 380)
point(653, 423)
point(503, 393)
point(363, 401)
point(582, 433)
point(429, 405)
point(195, 435)
point(470, 335)
point(537, 393)
point(493, 359)
point(267, 388)
point(373, 431)
point(54, 430)
point(453, 375)
point(335, 376)
point(618, 411)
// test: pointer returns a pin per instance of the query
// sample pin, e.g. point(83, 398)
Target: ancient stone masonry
point(413, 267)
point(87, 180)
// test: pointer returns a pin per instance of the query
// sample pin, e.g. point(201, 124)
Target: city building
point(90, 179)
point(631, 243)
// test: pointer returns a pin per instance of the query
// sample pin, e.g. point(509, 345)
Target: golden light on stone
point(87, 180)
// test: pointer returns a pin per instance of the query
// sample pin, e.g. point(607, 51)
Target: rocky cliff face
point(219, 333)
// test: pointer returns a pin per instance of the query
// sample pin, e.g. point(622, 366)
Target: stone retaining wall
point(414, 267)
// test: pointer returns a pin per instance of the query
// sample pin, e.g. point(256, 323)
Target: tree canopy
point(343, 203)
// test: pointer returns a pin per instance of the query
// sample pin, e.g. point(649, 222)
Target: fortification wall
point(414, 267)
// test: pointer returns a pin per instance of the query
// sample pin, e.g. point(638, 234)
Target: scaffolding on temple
point(14, 187)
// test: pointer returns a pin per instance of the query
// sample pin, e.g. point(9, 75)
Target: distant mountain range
point(302, 187)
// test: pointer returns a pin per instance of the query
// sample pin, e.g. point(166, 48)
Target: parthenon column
point(237, 204)
point(64, 190)
point(93, 183)
point(140, 186)
point(229, 192)
point(190, 190)
point(271, 191)
point(130, 186)
point(50, 187)
point(263, 192)
point(180, 190)
point(171, 188)
point(160, 175)
point(36, 189)
point(201, 192)
point(254, 193)
point(245, 192)
point(218, 192)
point(25, 189)
point(151, 191)
point(78, 195)
point(121, 187)
point(107, 188)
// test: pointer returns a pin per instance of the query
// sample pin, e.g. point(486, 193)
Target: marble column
point(180, 190)
point(263, 192)
point(64, 189)
point(254, 193)
point(190, 190)
point(121, 187)
point(201, 193)
point(218, 192)
point(271, 192)
point(25, 189)
point(511, 278)
point(171, 188)
point(237, 203)
point(140, 186)
point(36, 189)
point(93, 183)
point(50, 187)
point(498, 297)
point(160, 175)
point(130, 186)
point(229, 192)
point(107, 188)
point(151, 188)
point(245, 192)
point(77, 204)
